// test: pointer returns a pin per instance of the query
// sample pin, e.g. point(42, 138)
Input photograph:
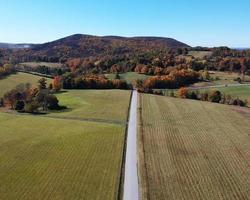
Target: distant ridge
point(241, 48)
point(89, 46)
point(80, 45)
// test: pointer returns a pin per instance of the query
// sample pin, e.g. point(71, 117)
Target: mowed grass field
point(102, 105)
point(11, 81)
point(45, 158)
point(192, 150)
point(72, 154)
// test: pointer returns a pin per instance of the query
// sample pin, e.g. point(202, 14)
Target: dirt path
point(131, 191)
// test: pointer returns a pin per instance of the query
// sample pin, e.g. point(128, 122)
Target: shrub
point(31, 107)
point(238, 79)
point(52, 102)
point(19, 105)
point(215, 96)
point(182, 92)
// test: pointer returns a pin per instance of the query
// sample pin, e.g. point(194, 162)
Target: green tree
point(42, 84)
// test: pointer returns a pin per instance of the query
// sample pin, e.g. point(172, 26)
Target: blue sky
point(195, 22)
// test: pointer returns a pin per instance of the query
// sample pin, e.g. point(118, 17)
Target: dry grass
point(200, 54)
point(193, 150)
point(37, 64)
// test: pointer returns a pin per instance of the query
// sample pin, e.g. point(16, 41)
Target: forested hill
point(95, 44)
point(84, 46)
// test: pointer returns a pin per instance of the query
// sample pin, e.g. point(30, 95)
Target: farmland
point(107, 105)
point(192, 150)
point(11, 81)
point(46, 158)
point(73, 154)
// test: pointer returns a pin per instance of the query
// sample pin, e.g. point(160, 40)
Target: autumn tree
point(42, 84)
point(57, 85)
point(182, 92)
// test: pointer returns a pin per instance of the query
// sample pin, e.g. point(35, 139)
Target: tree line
point(175, 79)
point(91, 81)
point(212, 96)
point(6, 69)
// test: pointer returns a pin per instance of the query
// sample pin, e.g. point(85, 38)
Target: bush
point(238, 102)
point(158, 92)
point(215, 96)
point(19, 105)
point(182, 92)
point(192, 95)
point(1, 102)
point(238, 79)
point(31, 107)
point(52, 102)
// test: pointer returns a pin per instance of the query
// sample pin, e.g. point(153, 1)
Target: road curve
point(131, 188)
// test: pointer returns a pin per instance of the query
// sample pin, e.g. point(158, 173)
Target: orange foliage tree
point(57, 85)
point(182, 92)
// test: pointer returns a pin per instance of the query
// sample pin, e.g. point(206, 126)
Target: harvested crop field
point(193, 150)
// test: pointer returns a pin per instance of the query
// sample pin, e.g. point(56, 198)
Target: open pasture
point(46, 158)
point(102, 105)
point(11, 81)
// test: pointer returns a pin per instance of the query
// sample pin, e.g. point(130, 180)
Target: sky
point(195, 22)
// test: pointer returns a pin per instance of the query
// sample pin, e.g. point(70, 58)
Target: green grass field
point(192, 150)
point(10, 82)
point(223, 78)
point(103, 105)
point(73, 154)
point(129, 76)
point(45, 158)
point(242, 92)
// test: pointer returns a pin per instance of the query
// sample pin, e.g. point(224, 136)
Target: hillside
point(84, 46)
point(88, 44)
